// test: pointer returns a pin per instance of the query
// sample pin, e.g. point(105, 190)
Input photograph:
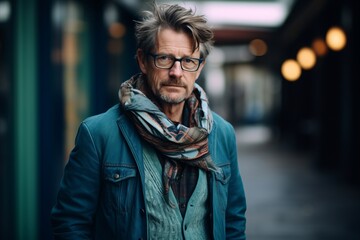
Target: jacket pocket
point(119, 186)
point(118, 173)
point(224, 174)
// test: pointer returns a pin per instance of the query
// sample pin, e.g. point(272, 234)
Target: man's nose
point(176, 69)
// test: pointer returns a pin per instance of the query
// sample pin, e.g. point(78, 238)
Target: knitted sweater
point(165, 222)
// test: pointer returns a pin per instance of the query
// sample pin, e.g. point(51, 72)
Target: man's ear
point(141, 59)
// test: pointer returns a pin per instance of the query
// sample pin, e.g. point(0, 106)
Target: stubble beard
point(166, 99)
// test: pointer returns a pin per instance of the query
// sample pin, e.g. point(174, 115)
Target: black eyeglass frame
point(176, 60)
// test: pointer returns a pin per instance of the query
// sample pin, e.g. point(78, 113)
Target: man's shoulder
point(220, 122)
point(222, 129)
point(104, 119)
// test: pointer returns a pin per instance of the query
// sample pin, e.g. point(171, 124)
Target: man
point(159, 165)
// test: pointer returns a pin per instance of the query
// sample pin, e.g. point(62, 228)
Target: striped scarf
point(176, 143)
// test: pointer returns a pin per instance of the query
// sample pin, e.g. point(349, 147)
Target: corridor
point(288, 199)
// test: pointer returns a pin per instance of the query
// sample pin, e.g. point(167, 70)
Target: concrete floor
point(288, 199)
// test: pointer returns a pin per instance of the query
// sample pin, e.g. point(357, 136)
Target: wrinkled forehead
point(169, 37)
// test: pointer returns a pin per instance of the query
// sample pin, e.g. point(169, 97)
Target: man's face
point(174, 85)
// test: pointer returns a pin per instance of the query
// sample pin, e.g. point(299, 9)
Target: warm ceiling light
point(306, 58)
point(291, 70)
point(319, 47)
point(258, 47)
point(336, 38)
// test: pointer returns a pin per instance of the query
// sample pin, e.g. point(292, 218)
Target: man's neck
point(173, 111)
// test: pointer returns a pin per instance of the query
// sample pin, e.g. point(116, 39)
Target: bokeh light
point(336, 38)
point(319, 47)
point(291, 70)
point(117, 30)
point(258, 47)
point(306, 58)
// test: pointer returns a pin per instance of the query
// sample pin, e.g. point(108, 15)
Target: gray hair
point(177, 18)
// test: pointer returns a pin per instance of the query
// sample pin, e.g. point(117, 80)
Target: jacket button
point(142, 211)
point(116, 176)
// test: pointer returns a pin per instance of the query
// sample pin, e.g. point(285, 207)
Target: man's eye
point(188, 60)
point(164, 58)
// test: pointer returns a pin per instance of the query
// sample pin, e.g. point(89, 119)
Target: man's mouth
point(172, 84)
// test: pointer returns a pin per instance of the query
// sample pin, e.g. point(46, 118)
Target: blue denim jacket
point(101, 194)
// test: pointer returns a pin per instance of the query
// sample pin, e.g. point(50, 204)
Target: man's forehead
point(169, 39)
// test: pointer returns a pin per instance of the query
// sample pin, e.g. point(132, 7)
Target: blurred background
point(283, 72)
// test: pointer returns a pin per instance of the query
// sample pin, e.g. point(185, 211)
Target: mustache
point(173, 82)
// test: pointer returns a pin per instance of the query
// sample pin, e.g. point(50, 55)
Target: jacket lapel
point(133, 140)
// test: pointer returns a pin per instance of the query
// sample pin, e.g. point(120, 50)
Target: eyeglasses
point(164, 61)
